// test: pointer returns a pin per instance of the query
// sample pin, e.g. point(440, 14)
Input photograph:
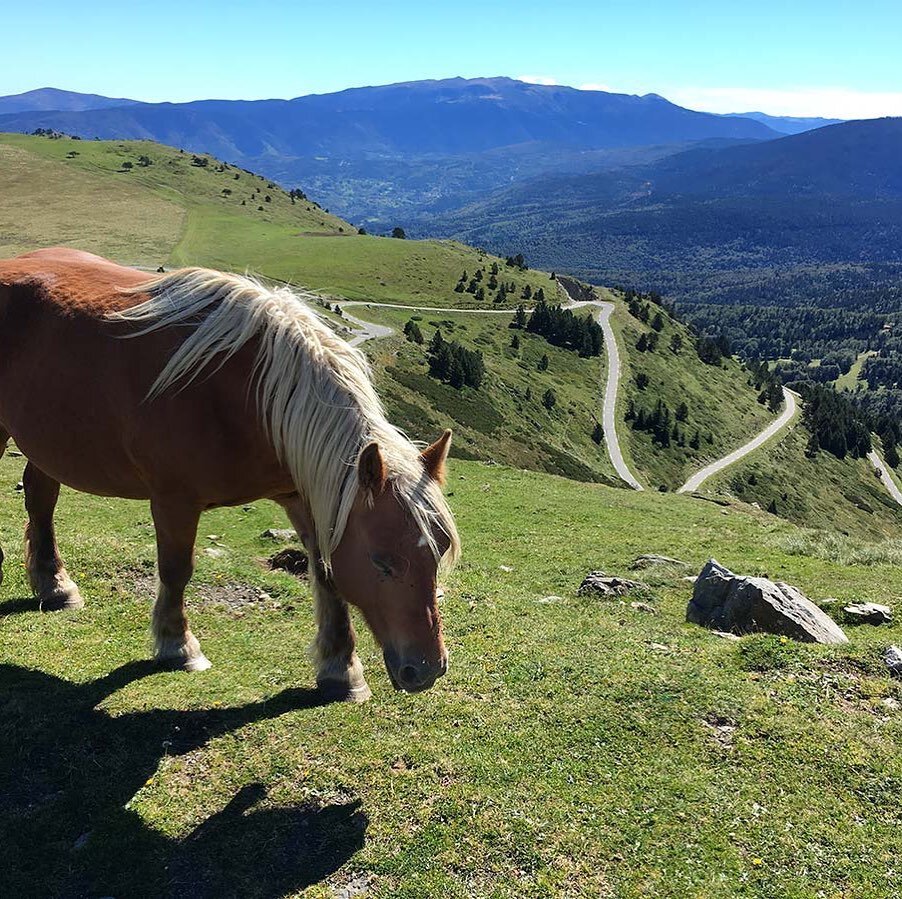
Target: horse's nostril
point(408, 675)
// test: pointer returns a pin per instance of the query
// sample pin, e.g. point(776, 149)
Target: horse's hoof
point(181, 663)
point(60, 600)
point(336, 690)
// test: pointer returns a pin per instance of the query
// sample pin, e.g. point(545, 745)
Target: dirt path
point(773, 428)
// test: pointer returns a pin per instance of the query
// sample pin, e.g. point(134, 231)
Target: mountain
point(376, 154)
point(786, 124)
point(828, 196)
point(48, 99)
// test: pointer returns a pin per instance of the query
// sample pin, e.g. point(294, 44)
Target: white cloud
point(829, 102)
point(596, 86)
point(537, 79)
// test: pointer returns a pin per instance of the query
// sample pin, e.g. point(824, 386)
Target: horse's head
point(386, 565)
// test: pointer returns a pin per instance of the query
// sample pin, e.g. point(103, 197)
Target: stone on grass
point(868, 613)
point(649, 560)
point(597, 583)
point(726, 601)
point(644, 607)
point(893, 659)
point(280, 535)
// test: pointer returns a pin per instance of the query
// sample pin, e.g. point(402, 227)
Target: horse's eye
point(382, 565)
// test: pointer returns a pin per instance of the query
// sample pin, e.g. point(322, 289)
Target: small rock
point(730, 602)
point(280, 535)
point(551, 599)
point(690, 578)
point(659, 647)
point(214, 553)
point(506, 568)
point(892, 704)
point(726, 635)
point(214, 537)
point(868, 613)
point(649, 560)
point(644, 607)
point(15, 454)
point(893, 659)
point(597, 583)
point(20, 487)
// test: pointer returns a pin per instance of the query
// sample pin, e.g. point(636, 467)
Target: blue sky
point(788, 57)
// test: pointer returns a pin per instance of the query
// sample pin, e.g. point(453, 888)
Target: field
point(577, 747)
point(177, 213)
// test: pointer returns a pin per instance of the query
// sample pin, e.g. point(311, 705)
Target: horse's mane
point(314, 392)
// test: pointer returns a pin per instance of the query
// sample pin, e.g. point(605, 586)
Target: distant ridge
point(47, 99)
point(786, 124)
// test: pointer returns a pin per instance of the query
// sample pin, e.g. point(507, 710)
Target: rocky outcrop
point(597, 583)
point(280, 535)
point(726, 601)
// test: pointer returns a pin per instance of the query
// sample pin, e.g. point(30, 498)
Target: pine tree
point(549, 399)
point(515, 342)
point(598, 433)
point(543, 363)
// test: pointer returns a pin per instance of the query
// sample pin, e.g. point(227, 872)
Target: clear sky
point(791, 57)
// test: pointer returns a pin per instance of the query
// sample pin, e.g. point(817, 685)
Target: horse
point(195, 390)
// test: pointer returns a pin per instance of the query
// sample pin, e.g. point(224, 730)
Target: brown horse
point(196, 390)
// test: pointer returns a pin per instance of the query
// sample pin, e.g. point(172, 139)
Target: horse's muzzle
point(413, 673)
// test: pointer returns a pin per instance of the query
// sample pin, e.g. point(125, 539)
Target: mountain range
point(378, 154)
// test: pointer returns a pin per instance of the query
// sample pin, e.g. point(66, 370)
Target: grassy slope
point(577, 747)
point(721, 402)
point(823, 492)
point(496, 422)
point(173, 211)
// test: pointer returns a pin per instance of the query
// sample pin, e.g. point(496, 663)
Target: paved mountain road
point(773, 428)
point(370, 331)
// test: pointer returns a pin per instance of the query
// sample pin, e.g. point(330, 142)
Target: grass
point(824, 493)
point(852, 378)
point(498, 421)
point(721, 403)
point(176, 213)
point(577, 747)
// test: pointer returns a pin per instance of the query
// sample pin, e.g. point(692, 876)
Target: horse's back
point(73, 280)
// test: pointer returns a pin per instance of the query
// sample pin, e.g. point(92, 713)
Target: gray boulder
point(726, 601)
point(868, 613)
point(893, 659)
point(596, 583)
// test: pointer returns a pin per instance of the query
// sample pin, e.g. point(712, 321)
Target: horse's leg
point(339, 672)
point(4, 439)
point(50, 582)
point(174, 644)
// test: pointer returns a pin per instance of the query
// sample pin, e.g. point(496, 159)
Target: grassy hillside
point(505, 419)
point(723, 408)
point(824, 492)
point(175, 212)
point(576, 747)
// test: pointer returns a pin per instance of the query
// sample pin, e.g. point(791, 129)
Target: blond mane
point(314, 392)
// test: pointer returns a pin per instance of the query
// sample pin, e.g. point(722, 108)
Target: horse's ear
point(371, 469)
point(435, 456)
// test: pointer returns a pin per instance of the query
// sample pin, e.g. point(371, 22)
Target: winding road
point(775, 426)
point(369, 331)
point(885, 476)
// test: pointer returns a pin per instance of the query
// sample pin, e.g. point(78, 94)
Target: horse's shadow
point(68, 772)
